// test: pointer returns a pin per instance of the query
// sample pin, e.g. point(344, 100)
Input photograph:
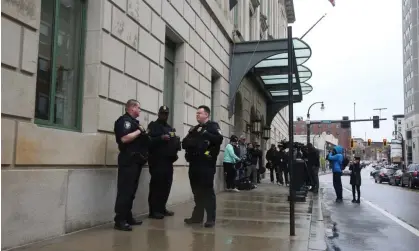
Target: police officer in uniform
point(163, 153)
point(202, 146)
point(133, 142)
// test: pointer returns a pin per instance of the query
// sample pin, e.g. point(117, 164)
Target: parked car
point(383, 175)
point(375, 171)
point(410, 176)
point(346, 171)
point(395, 178)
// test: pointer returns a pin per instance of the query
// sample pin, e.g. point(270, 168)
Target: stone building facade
point(69, 66)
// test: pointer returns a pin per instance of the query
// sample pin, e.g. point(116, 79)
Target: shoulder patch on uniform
point(127, 125)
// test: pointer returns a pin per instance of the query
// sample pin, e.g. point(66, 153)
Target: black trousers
point(274, 171)
point(161, 179)
point(127, 184)
point(337, 184)
point(281, 174)
point(201, 177)
point(315, 174)
point(358, 190)
point(230, 172)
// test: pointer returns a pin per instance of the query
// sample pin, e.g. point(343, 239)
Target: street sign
point(326, 122)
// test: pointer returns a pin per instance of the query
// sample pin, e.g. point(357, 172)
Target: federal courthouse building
point(68, 67)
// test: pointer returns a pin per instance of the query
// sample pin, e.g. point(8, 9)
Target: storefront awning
point(265, 62)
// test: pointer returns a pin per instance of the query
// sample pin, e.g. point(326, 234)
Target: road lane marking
point(389, 215)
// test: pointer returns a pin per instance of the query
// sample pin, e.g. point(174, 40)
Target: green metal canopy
point(265, 62)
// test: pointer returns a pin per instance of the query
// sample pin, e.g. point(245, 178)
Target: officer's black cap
point(164, 109)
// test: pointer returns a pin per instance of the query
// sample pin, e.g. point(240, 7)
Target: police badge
point(127, 125)
point(199, 129)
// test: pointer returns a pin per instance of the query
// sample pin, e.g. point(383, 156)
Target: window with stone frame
point(59, 81)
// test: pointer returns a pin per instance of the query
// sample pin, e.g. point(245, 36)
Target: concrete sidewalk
point(249, 220)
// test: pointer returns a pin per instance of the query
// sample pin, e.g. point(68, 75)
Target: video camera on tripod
point(300, 150)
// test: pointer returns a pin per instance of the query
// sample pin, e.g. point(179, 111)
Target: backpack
point(345, 162)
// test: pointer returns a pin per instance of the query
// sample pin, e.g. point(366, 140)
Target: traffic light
point(376, 122)
point(352, 143)
point(345, 124)
point(385, 142)
point(369, 142)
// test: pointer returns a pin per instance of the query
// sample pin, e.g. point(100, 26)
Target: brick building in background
point(343, 135)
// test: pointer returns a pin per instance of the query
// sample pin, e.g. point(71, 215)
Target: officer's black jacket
point(313, 157)
point(202, 138)
point(125, 125)
point(281, 159)
point(270, 155)
point(160, 147)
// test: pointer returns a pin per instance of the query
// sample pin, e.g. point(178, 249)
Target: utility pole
point(379, 109)
point(354, 110)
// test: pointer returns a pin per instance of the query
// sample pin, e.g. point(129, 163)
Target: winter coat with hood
point(336, 159)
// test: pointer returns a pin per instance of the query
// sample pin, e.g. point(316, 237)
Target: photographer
point(336, 160)
point(282, 162)
point(313, 164)
point(252, 158)
point(270, 157)
point(355, 180)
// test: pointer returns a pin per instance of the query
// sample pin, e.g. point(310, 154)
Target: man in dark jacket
point(313, 164)
point(355, 181)
point(282, 163)
point(260, 161)
point(270, 157)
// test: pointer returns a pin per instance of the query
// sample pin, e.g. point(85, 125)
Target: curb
point(317, 239)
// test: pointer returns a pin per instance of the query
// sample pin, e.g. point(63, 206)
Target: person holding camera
point(336, 159)
point(251, 162)
point(313, 163)
point(282, 165)
point(230, 160)
point(355, 180)
point(270, 157)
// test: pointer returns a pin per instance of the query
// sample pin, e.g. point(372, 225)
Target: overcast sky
point(356, 57)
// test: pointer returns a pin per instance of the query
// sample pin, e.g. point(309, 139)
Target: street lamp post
point(308, 118)
point(401, 135)
point(314, 140)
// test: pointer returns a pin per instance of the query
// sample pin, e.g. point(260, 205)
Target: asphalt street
point(386, 219)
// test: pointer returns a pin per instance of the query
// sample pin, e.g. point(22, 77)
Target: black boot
point(122, 226)
point(134, 222)
point(157, 216)
point(209, 224)
point(168, 213)
point(190, 221)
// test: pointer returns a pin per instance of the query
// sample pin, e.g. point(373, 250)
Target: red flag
point(332, 2)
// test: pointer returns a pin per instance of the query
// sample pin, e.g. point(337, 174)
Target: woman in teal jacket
point(230, 159)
